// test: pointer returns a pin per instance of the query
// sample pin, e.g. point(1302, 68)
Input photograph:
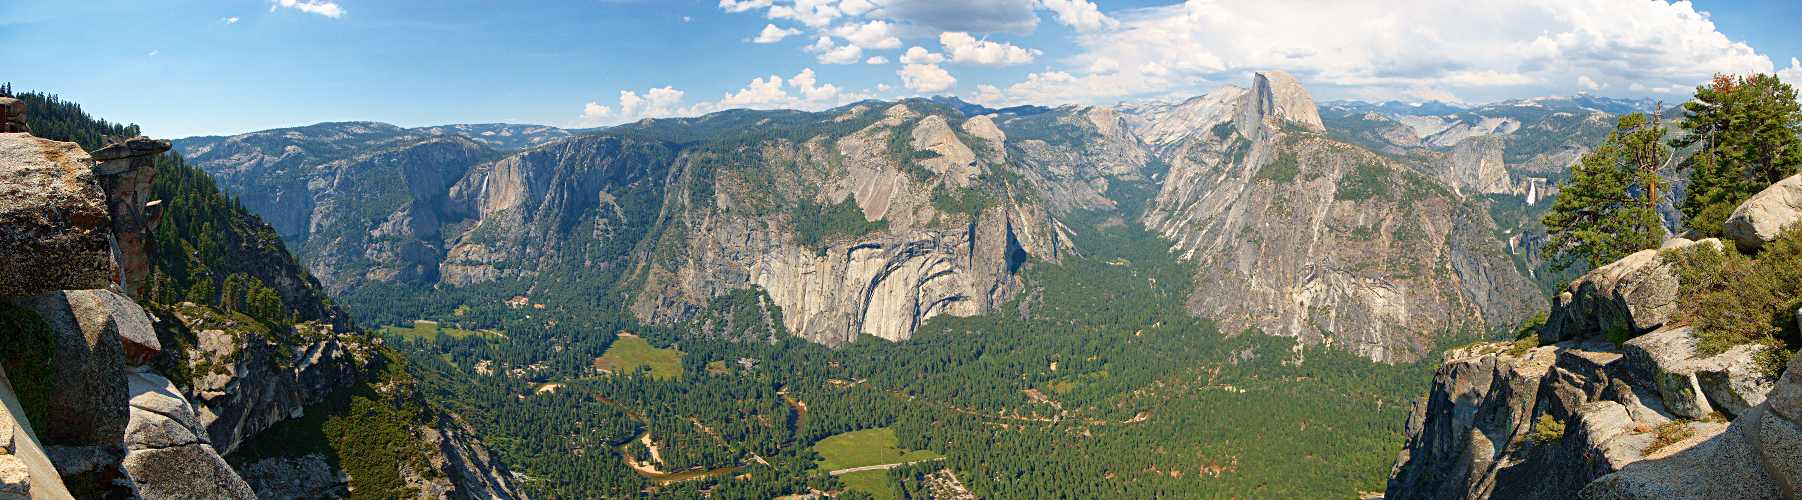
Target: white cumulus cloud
point(743, 5)
point(814, 13)
point(654, 103)
point(229, 20)
point(876, 60)
point(827, 52)
point(870, 35)
point(856, 7)
point(1793, 74)
point(772, 92)
point(919, 55)
point(1395, 49)
point(802, 91)
point(1080, 14)
point(966, 49)
point(925, 78)
point(1586, 83)
point(773, 34)
point(320, 7)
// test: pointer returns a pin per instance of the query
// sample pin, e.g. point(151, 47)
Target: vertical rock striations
point(126, 168)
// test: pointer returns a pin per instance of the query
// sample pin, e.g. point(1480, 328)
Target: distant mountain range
point(375, 209)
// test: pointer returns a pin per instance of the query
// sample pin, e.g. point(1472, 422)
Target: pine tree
point(1745, 131)
point(1609, 208)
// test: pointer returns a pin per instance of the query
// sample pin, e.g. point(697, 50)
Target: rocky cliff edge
point(1567, 412)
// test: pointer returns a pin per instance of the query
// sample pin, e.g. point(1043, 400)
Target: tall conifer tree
point(1609, 208)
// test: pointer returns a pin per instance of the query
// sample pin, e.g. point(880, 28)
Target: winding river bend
point(648, 470)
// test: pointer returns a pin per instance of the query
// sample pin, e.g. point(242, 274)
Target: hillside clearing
point(867, 447)
point(430, 331)
point(630, 353)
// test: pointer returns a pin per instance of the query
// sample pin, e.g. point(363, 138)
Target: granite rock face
point(1475, 435)
point(111, 414)
point(168, 454)
point(463, 464)
point(925, 261)
point(307, 476)
point(25, 470)
point(1301, 235)
point(1693, 386)
point(1476, 166)
point(1758, 220)
point(1279, 96)
point(1635, 294)
point(255, 381)
point(1487, 428)
point(90, 365)
point(55, 217)
point(1756, 457)
point(126, 168)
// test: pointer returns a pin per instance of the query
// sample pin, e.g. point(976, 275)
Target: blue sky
point(184, 68)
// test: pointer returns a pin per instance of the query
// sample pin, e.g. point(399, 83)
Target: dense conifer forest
point(1097, 384)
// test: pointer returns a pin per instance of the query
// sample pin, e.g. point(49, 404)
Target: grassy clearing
point(430, 331)
point(874, 482)
point(631, 353)
point(866, 447)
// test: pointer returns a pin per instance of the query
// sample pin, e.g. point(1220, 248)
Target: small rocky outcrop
point(1482, 432)
point(463, 465)
point(126, 169)
point(306, 476)
point(1758, 220)
point(12, 116)
point(89, 371)
point(168, 454)
point(1693, 386)
point(1635, 295)
point(114, 422)
point(250, 381)
point(1755, 457)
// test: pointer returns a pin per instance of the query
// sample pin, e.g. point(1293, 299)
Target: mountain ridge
point(903, 165)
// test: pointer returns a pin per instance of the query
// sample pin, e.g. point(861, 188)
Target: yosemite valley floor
point(1108, 389)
